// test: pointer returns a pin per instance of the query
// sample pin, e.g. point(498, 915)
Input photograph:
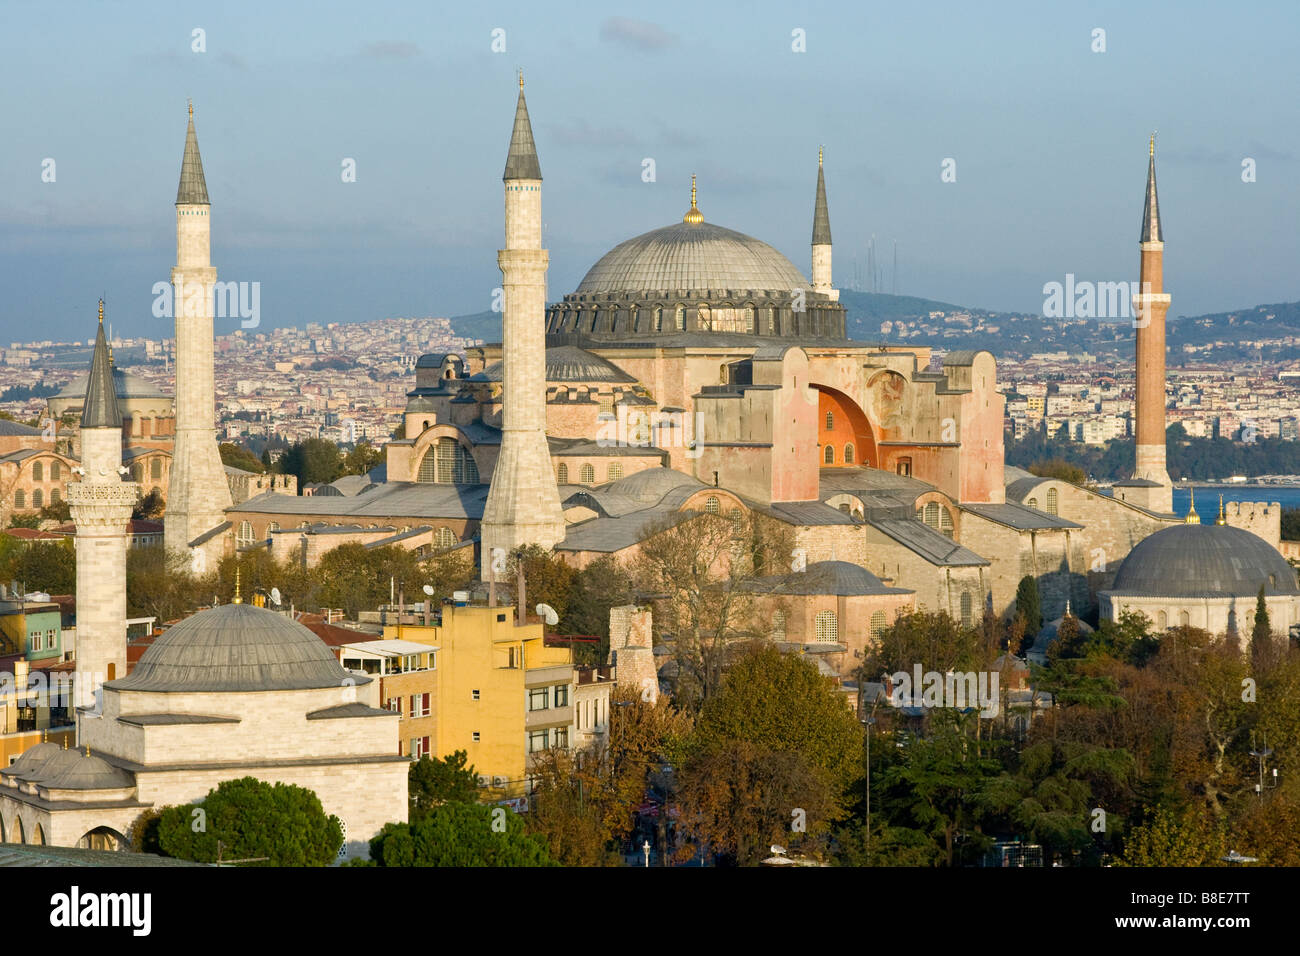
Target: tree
point(460, 834)
point(547, 579)
point(432, 781)
point(781, 703)
point(362, 458)
point(1059, 468)
point(150, 507)
point(568, 809)
point(159, 584)
point(252, 818)
point(704, 567)
point(1187, 837)
point(1029, 609)
point(45, 566)
point(599, 587)
point(237, 456)
point(59, 511)
point(314, 461)
point(1261, 635)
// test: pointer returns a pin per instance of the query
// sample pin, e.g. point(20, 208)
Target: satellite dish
point(428, 590)
point(275, 596)
point(547, 614)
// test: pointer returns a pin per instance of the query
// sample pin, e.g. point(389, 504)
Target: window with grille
point(945, 522)
point(587, 475)
point(877, 625)
point(244, 536)
point(1033, 503)
point(778, 626)
point(55, 471)
point(447, 462)
point(38, 472)
point(20, 498)
point(827, 627)
point(155, 469)
point(830, 421)
point(615, 471)
point(931, 515)
point(848, 453)
point(54, 496)
point(562, 474)
point(829, 455)
point(1051, 501)
point(712, 506)
point(966, 605)
point(680, 319)
point(445, 538)
point(38, 499)
point(659, 320)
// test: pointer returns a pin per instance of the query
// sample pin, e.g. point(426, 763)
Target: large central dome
point(690, 255)
point(1195, 560)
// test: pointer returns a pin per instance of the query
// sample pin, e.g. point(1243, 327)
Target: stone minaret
point(101, 505)
point(1150, 306)
point(821, 239)
point(198, 491)
point(523, 504)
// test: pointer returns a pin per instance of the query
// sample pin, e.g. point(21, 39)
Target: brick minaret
point(198, 491)
point(523, 504)
point(1150, 306)
point(821, 239)
point(101, 505)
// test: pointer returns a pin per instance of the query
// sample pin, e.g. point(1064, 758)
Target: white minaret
point(821, 239)
point(523, 504)
point(198, 491)
point(101, 504)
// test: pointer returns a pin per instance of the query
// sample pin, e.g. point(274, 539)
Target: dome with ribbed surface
point(236, 647)
point(692, 256)
point(1198, 560)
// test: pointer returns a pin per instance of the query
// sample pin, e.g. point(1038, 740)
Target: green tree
point(547, 578)
point(45, 566)
point(363, 457)
point(600, 586)
point(460, 834)
point(150, 507)
point(1261, 635)
point(251, 818)
point(1030, 609)
point(237, 456)
point(1059, 468)
point(313, 460)
point(1187, 837)
point(781, 703)
point(432, 781)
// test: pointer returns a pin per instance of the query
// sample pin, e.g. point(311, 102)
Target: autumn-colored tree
point(703, 569)
point(1171, 837)
point(547, 578)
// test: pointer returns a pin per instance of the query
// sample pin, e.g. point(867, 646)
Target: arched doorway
point(102, 838)
point(841, 426)
point(18, 835)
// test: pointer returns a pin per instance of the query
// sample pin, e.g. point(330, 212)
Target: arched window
point(966, 604)
point(1162, 621)
point(562, 474)
point(445, 538)
point(447, 462)
point(38, 499)
point(778, 626)
point(55, 471)
point(680, 319)
point(702, 316)
point(659, 319)
point(931, 515)
point(877, 625)
point(20, 499)
point(1051, 501)
point(712, 505)
point(587, 475)
point(54, 496)
point(830, 421)
point(1184, 619)
point(155, 469)
point(38, 471)
point(945, 522)
point(271, 528)
point(244, 536)
point(848, 453)
point(829, 455)
point(827, 627)
point(1032, 502)
point(614, 472)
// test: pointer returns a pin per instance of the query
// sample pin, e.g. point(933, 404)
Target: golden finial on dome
point(1192, 516)
point(1223, 516)
point(693, 215)
point(87, 750)
point(238, 598)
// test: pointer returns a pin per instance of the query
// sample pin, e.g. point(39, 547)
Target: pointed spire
point(521, 161)
point(239, 597)
point(1151, 231)
point(693, 215)
point(1192, 516)
point(1223, 515)
point(193, 189)
point(100, 408)
point(821, 216)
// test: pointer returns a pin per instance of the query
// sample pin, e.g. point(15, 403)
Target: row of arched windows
point(938, 517)
point(38, 498)
point(1052, 502)
point(38, 471)
point(587, 473)
point(828, 453)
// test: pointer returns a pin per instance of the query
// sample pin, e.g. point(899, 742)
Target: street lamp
point(1261, 754)
point(645, 848)
point(869, 720)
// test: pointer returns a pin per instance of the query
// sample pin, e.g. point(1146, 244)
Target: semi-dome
point(689, 255)
point(651, 484)
point(833, 577)
point(126, 386)
point(236, 647)
point(1195, 560)
point(567, 363)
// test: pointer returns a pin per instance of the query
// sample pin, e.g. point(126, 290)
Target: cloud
point(636, 34)
point(582, 133)
point(390, 50)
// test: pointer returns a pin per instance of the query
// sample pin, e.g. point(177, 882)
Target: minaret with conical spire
point(523, 504)
point(1150, 306)
point(821, 238)
point(101, 504)
point(197, 491)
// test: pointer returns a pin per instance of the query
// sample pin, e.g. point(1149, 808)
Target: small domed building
point(231, 692)
point(1205, 576)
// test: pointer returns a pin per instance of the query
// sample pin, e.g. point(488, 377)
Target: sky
point(1049, 139)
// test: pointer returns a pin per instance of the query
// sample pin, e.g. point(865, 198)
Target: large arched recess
point(850, 425)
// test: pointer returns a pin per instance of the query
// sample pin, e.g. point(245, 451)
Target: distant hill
point(485, 326)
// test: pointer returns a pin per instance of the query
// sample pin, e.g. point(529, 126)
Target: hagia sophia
point(693, 370)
